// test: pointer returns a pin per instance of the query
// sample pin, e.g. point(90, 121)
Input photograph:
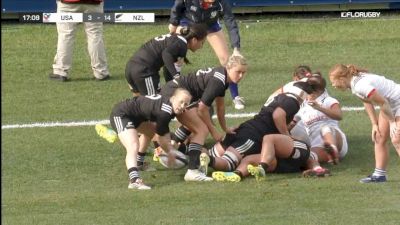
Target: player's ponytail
point(354, 70)
point(198, 31)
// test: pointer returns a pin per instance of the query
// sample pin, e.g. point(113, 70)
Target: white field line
point(94, 122)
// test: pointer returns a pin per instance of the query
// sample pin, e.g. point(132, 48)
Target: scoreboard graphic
point(86, 17)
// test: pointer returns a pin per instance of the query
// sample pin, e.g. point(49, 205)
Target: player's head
point(180, 99)
point(236, 68)
point(340, 75)
point(195, 34)
point(318, 83)
point(301, 72)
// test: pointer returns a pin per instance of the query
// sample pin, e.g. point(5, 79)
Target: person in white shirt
point(373, 90)
point(320, 114)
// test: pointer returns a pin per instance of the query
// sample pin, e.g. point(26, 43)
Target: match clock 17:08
point(31, 17)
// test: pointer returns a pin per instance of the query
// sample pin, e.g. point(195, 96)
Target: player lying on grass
point(373, 90)
point(273, 118)
point(205, 86)
point(279, 154)
point(148, 115)
point(320, 114)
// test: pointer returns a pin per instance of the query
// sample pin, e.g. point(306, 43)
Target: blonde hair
point(236, 60)
point(179, 91)
point(340, 70)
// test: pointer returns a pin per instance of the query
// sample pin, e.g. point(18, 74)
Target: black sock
point(212, 161)
point(181, 134)
point(156, 145)
point(264, 166)
point(239, 173)
point(140, 158)
point(182, 148)
point(194, 154)
point(133, 174)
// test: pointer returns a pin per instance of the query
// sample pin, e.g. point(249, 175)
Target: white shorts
point(299, 132)
point(318, 142)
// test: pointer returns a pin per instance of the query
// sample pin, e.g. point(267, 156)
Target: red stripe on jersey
point(370, 93)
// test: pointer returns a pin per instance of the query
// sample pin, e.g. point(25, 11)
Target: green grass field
point(68, 175)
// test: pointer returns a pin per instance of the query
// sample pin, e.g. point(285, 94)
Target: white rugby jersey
point(314, 119)
point(365, 84)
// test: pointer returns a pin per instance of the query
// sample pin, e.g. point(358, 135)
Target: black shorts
point(142, 79)
point(121, 123)
point(243, 143)
point(296, 162)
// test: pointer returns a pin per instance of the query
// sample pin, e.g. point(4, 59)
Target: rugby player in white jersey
point(373, 90)
point(320, 114)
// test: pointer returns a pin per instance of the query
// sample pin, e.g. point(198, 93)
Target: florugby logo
point(360, 14)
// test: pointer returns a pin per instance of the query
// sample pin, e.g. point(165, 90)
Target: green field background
point(68, 175)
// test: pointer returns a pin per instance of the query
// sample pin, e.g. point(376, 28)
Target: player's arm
point(377, 99)
point(162, 130)
point(334, 112)
point(220, 105)
point(170, 55)
point(279, 117)
point(204, 114)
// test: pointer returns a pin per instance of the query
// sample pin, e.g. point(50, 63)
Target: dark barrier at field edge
point(13, 6)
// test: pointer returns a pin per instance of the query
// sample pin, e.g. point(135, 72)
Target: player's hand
point(172, 28)
point(218, 136)
point(231, 130)
point(314, 104)
point(375, 131)
point(236, 52)
point(171, 158)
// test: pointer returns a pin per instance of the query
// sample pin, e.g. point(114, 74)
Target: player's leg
point(128, 137)
point(381, 152)
point(193, 122)
point(147, 131)
point(219, 44)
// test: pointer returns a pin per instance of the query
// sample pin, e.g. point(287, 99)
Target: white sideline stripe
point(94, 122)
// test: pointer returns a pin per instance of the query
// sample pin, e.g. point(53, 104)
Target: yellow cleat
point(256, 171)
point(106, 133)
point(226, 176)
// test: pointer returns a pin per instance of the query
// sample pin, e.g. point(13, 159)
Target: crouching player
point(279, 154)
point(147, 115)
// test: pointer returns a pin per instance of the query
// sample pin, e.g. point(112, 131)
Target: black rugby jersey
point(160, 51)
point(195, 13)
point(205, 84)
point(264, 123)
point(154, 108)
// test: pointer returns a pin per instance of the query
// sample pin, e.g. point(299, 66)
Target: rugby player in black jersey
point(142, 70)
point(209, 12)
point(205, 86)
point(149, 115)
